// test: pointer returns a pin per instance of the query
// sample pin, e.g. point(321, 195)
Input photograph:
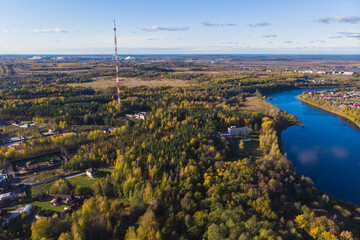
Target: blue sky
point(180, 26)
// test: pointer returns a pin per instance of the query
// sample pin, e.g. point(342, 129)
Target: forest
point(173, 176)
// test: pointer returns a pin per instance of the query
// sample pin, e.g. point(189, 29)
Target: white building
point(238, 131)
point(306, 71)
point(137, 115)
point(348, 73)
point(91, 172)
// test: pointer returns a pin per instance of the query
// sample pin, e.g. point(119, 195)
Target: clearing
point(47, 206)
point(85, 181)
point(105, 82)
point(259, 105)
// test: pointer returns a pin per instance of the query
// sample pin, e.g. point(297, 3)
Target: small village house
point(31, 165)
point(92, 172)
point(7, 198)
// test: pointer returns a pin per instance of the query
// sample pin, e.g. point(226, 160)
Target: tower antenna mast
point(117, 70)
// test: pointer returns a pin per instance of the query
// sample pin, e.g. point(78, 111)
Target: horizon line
point(167, 54)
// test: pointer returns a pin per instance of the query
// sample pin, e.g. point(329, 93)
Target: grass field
point(47, 206)
point(85, 181)
point(258, 105)
point(105, 82)
point(44, 175)
point(41, 189)
point(33, 131)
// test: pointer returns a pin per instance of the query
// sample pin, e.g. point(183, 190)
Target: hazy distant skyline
point(175, 27)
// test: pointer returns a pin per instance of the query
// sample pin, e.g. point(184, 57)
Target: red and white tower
point(117, 70)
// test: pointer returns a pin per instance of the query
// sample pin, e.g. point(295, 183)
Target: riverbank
point(267, 92)
point(326, 150)
point(284, 119)
point(327, 109)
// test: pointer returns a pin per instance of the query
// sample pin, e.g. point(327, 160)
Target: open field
point(47, 206)
point(258, 105)
point(85, 181)
point(41, 189)
point(42, 176)
point(8, 130)
point(105, 82)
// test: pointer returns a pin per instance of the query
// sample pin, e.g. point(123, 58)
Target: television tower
point(117, 70)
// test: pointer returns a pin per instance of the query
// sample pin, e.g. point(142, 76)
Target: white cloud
point(355, 35)
point(207, 24)
point(260, 24)
point(51, 30)
point(229, 42)
point(270, 36)
point(322, 20)
point(328, 20)
point(170, 29)
point(11, 31)
point(44, 30)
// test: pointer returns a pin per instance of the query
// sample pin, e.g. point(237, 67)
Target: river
point(327, 150)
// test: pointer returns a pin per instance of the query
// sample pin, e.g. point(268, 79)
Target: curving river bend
point(327, 150)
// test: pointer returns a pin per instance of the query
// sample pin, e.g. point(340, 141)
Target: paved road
point(79, 174)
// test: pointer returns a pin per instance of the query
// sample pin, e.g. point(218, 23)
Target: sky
point(180, 26)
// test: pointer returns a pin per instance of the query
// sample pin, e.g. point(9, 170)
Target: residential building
point(31, 165)
point(238, 131)
point(91, 172)
point(7, 198)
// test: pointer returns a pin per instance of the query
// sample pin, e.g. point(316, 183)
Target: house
point(21, 166)
point(50, 132)
point(62, 199)
point(55, 162)
point(108, 130)
point(7, 198)
point(238, 131)
point(137, 115)
point(91, 172)
point(56, 201)
point(31, 165)
point(348, 73)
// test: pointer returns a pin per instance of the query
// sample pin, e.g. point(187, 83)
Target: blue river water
point(327, 149)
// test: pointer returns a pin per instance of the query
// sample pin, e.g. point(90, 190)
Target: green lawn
point(85, 181)
point(47, 206)
point(41, 189)
point(82, 180)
